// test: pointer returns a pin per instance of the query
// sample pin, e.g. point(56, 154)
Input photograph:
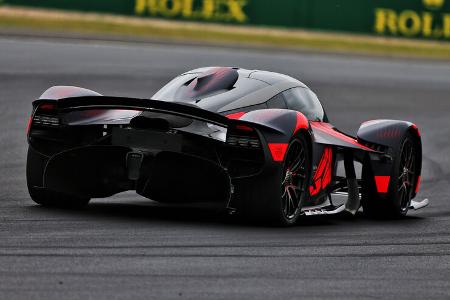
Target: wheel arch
point(415, 133)
point(386, 136)
point(309, 140)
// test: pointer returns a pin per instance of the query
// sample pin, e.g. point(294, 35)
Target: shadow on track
point(206, 215)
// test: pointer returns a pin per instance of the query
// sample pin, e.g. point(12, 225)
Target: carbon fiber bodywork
point(204, 137)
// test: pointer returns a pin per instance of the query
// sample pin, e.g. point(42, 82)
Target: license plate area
point(146, 139)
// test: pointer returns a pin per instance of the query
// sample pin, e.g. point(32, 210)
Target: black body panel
point(206, 136)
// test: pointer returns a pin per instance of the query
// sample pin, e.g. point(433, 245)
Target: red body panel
point(302, 122)
point(382, 183)
point(328, 129)
point(322, 177)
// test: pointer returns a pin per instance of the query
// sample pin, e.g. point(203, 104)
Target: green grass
point(181, 31)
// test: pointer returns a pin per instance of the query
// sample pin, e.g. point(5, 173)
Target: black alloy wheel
point(407, 175)
point(294, 180)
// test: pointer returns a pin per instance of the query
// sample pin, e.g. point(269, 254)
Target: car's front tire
point(49, 198)
point(401, 188)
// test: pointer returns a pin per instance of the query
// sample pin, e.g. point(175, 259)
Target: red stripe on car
point(418, 184)
point(382, 183)
point(302, 122)
point(329, 129)
point(322, 177)
point(236, 116)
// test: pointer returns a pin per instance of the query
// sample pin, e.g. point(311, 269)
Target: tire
point(272, 204)
point(49, 198)
point(401, 186)
point(42, 196)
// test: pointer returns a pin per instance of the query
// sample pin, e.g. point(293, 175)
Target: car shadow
point(204, 214)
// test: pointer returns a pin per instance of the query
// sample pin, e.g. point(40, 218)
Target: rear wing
point(103, 102)
point(172, 108)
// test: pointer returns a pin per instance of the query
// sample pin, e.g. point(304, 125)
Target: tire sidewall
point(393, 195)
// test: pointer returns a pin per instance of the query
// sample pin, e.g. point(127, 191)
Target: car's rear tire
point(42, 196)
point(49, 198)
point(396, 202)
point(280, 202)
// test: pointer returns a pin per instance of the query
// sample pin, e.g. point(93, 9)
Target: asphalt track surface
point(128, 247)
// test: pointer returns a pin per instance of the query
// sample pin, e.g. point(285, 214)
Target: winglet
point(419, 204)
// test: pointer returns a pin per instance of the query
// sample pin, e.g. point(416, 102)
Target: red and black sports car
point(256, 141)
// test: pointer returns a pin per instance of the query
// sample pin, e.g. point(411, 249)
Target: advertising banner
point(425, 19)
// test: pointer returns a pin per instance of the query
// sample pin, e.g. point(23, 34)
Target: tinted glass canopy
point(227, 90)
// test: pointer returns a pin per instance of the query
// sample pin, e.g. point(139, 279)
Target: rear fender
point(387, 133)
point(286, 123)
point(277, 127)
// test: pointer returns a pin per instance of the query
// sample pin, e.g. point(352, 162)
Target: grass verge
point(49, 21)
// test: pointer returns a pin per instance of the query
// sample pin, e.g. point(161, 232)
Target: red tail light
point(47, 106)
point(30, 120)
point(243, 136)
point(244, 128)
point(278, 151)
point(46, 115)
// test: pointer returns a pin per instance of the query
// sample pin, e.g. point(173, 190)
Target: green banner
point(426, 19)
